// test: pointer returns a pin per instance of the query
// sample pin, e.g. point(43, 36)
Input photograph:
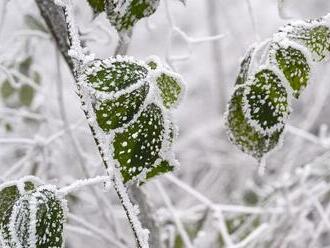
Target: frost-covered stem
point(79, 59)
point(77, 185)
point(66, 124)
point(123, 43)
point(183, 233)
point(138, 197)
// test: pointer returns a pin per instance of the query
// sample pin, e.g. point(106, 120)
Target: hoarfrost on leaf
point(265, 102)
point(242, 134)
point(113, 75)
point(123, 14)
point(143, 142)
point(171, 88)
point(295, 67)
point(313, 35)
point(114, 113)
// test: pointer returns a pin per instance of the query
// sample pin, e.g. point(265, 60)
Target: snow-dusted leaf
point(171, 88)
point(97, 5)
point(314, 36)
point(115, 74)
point(123, 14)
point(36, 220)
point(244, 67)
point(114, 113)
point(294, 66)
point(266, 102)
point(137, 148)
point(242, 134)
point(50, 217)
point(10, 192)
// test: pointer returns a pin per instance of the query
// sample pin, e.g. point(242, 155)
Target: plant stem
point(57, 22)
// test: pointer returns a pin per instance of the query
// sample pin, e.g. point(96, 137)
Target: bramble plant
point(128, 105)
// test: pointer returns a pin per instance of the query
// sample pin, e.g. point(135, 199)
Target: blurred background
point(216, 198)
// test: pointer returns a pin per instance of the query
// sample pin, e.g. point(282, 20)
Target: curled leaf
point(242, 134)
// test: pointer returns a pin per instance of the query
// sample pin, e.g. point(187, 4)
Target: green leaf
point(50, 218)
point(312, 35)
point(137, 147)
point(242, 134)
point(114, 113)
point(266, 102)
point(124, 14)
point(295, 68)
point(244, 67)
point(36, 220)
point(9, 193)
point(171, 88)
point(112, 76)
point(97, 5)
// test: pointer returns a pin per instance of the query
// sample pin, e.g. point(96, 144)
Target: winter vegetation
point(164, 124)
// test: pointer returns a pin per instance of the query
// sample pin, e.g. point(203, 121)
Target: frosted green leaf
point(244, 67)
point(9, 194)
point(315, 37)
point(137, 147)
point(266, 102)
point(114, 113)
point(36, 221)
point(116, 75)
point(242, 134)
point(123, 14)
point(97, 5)
point(295, 68)
point(49, 220)
point(170, 87)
